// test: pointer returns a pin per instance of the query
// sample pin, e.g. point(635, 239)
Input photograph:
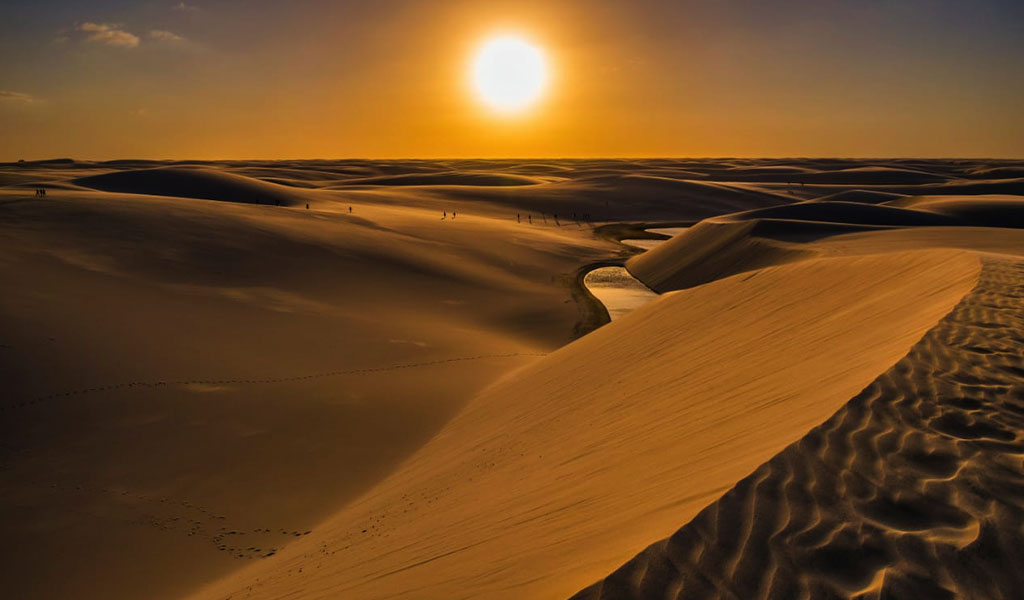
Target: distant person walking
point(518, 220)
point(530, 219)
point(444, 215)
point(307, 206)
point(350, 210)
point(453, 215)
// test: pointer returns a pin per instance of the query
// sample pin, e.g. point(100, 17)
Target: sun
point(509, 74)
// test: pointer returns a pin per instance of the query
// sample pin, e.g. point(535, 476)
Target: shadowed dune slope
point(875, 175)
point(711, 250)
point(182, 182)
point(993, 186)
point(568, 467)
point(865, 196)
point(189, 386)
point(986, 210)
point(859, 175)
point(1004, 172)
point(452, 178)
point(701, 198)
point(914, 489)
point(846, 213)
point(736, 243)
point(622, 196)
point(745, 241)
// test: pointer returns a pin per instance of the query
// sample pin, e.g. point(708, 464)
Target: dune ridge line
point(579, 460)
point(913, 489)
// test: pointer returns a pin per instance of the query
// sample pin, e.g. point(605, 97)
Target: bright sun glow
point(509, 73)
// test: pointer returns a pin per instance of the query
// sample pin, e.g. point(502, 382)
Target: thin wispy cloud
point(108, 34)
point(162, 35)
point(17, 97)
point(183, 7)
point(115, 35)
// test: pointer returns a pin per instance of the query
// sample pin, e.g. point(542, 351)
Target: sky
point(228, 79)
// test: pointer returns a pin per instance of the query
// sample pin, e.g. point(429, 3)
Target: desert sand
point(380, 379)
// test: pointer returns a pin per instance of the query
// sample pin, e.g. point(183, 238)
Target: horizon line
point(515, 158)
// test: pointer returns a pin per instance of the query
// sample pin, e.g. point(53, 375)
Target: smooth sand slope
point(211, 391)
point(564, 469)
point(914, 489)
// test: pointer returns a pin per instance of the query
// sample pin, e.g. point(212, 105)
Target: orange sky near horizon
point(390, 79)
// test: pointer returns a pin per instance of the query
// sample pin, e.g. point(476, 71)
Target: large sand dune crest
point(605, 440)
point(912, 490)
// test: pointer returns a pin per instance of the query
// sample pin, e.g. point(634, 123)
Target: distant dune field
point(380, 379)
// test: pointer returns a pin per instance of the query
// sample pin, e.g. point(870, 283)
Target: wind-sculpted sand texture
point(914, 489)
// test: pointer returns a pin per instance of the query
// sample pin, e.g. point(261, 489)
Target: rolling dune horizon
point(525, 300)
point(407, 389)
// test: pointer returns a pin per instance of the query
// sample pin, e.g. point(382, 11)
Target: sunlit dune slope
point(913, 489)
point(567, 468)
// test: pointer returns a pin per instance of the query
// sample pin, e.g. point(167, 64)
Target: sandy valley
point(387, 379)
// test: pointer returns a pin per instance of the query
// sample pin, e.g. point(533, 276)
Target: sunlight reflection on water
point(619, 291)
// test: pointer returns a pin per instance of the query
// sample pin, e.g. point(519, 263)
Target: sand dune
point(371, 399)
point(992, 186)
point(710, 251)
point(912, 490)
point(192, 183)
point(851, 213)
point(182, 376)
point(570, 463)
point(981, 210)
point(859, 175)
point(606, 198)
point(453, 178)
point(996, 172)
point(865, 196)
point(749, 240)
